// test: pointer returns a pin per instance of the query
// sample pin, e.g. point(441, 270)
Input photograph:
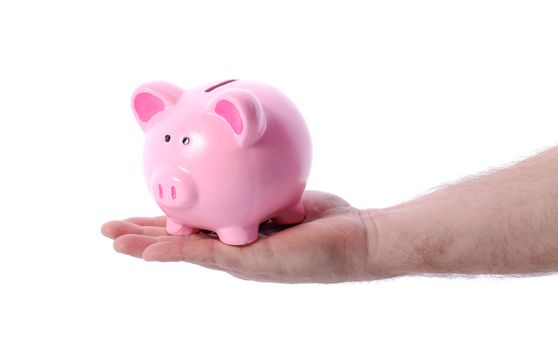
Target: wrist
point(402, 246)
point(385, 258)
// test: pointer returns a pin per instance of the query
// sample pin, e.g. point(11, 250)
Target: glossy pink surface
point(224, 156)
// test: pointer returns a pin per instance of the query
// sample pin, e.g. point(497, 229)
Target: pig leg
point(176, 229)
point(237, 235)
point(291, 215)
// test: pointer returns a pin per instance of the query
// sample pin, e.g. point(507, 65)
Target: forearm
point(505, 222)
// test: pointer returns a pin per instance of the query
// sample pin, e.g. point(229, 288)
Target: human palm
point(334, 243)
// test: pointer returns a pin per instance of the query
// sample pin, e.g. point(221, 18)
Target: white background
point(400, 97)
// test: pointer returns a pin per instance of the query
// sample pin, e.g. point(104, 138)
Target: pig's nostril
point(173, 192)
point(160, 191)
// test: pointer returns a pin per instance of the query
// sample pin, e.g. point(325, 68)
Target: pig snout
point(173, 188)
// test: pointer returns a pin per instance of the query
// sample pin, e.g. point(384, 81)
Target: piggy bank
point(223, 157)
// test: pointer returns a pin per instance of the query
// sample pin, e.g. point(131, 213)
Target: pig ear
point(243, 112)
point(152, 98)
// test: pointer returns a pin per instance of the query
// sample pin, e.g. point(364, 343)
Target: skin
point(502, 222)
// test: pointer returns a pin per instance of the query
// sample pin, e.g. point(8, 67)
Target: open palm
point(335, 243)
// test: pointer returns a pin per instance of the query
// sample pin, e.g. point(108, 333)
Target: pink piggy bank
point(223, 157)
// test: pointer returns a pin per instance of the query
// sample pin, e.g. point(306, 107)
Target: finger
point(203, 252)
point(113, 229)
point(196, 251)
point(132, 244)
point(320, 204)
point(160, 221)
point(287, 253)
point(168, 250)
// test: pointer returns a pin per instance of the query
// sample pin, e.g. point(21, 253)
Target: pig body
point(223, 157)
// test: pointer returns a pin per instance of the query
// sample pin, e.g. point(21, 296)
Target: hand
point(335, 243)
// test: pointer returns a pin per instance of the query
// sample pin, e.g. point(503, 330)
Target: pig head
point(186, 132)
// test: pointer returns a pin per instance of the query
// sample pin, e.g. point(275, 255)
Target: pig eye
point(185, 140)
point(167, 138)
